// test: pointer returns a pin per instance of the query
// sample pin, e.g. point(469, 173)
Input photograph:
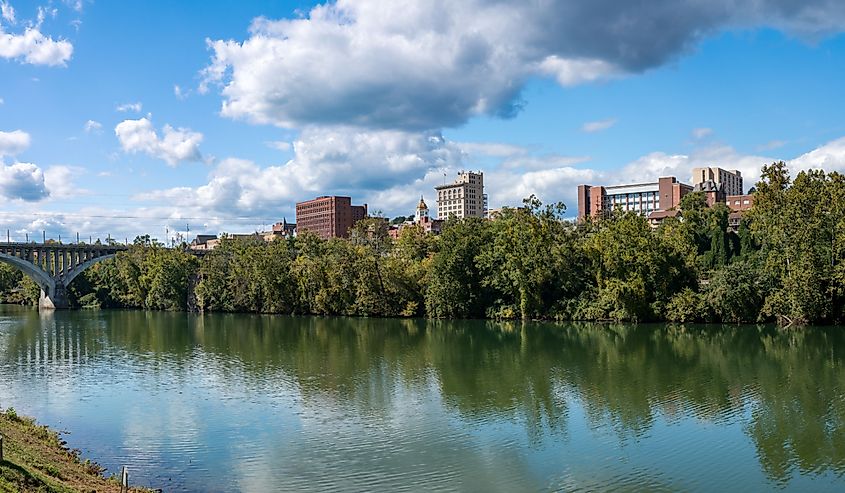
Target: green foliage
point(147, 276)
point(785, 262)
point(10, 278)
point(533, 263)
point(686, 306)
point(455, 282)
point(800, 226)
point(635, 271)
point(737, 292)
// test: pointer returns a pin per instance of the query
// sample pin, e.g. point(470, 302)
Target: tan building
point(329, 216)
point(730, 182)
point(643, 198)
point(463, 198)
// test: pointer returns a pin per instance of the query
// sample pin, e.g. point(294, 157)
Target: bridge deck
point(65, 246)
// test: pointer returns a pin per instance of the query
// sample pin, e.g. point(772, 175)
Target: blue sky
point(132, 117)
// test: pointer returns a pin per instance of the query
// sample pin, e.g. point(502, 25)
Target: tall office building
point(329, 216)
point(726, 182)
point(463, 198)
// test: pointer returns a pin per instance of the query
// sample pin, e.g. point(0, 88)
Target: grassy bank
point(35, 458)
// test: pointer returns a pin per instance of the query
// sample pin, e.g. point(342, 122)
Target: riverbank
point(35, 458)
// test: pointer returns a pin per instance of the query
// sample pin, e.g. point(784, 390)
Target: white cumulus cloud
point(337, 160)
point(829, 157)
point(386, 169)
point(60, 181)
point(174, 146)
point(424, 64)
point(13, 143)
point(657, 164)
point(35, 48)
point(22, 181)
point(571, 72)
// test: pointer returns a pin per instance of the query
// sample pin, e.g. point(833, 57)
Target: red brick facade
point(329, 217)
point(739, 203)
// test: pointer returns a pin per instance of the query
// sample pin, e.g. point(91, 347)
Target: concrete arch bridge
point(54, 266)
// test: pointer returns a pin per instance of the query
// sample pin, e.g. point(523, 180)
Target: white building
point(463, 198)
point(642, 198)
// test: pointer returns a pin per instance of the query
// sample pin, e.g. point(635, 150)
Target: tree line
point(784, 264)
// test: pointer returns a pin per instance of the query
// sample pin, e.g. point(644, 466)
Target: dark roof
point(664, 214)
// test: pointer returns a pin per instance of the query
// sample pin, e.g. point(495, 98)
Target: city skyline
point(133, 118)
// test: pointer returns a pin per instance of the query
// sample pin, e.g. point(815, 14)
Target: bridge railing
point(79, 240)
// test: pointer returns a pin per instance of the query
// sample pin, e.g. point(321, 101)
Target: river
point(272, 403)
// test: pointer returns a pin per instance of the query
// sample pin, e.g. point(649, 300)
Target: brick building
point(329, 216)
point(738, 204)
point(642, 198)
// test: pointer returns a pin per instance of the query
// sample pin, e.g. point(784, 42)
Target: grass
point(36, 459)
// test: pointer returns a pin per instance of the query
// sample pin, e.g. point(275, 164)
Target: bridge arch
point(44, 281)
point(53, 267)
point(79, 269)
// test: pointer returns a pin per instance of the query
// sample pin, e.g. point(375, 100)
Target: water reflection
point(366, 403)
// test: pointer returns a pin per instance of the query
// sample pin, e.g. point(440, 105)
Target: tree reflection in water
point(785, 387)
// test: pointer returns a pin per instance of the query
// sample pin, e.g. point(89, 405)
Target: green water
point(254, 403)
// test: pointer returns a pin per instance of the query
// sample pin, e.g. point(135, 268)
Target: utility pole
point(44, 237)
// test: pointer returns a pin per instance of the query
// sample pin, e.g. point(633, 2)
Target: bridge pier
point(55, 299)
point(54, 266)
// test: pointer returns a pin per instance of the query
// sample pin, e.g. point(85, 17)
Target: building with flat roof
point(739, 203)
point(329, 216)
point(730, 181)
point(642, 198)
point(463, 198)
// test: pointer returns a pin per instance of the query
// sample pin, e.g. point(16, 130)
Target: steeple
point(422, 211)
